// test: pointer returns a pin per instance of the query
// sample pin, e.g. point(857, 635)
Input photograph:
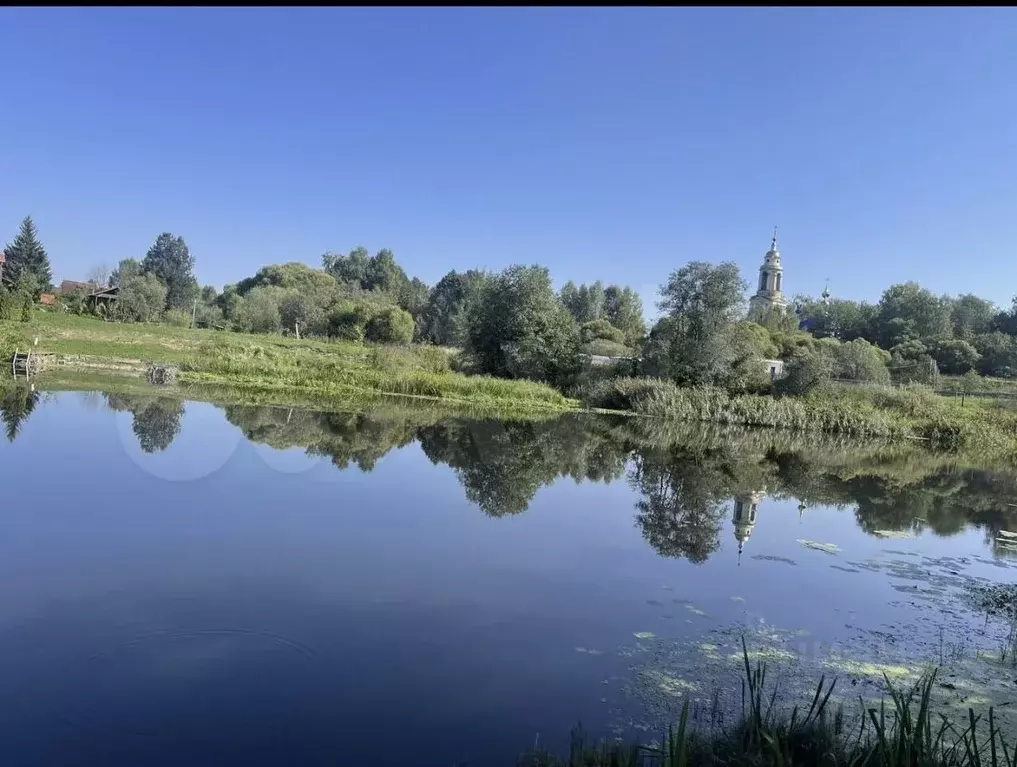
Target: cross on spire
point(773, 242)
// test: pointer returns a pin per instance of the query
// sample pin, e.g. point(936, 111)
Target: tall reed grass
point(903, 412)
point(902, 732)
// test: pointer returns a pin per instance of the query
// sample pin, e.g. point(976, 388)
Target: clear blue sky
point(605, 143)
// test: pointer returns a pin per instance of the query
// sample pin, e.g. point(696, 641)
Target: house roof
point(69, 286)
point(47, 298)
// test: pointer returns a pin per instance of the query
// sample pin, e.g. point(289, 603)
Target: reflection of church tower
point(744, 516)
point(769, 291)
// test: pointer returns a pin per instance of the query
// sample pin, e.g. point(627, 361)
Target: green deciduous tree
point(258, 311)
point(349, 269)
point(413, 297)
point(142, 298)
point(391, 325)
point(971, 316)
point(384, 274)
point(751, 347)
point(302, 312)
point(519, 329)
point(315, 283)
point(701, 301)
point(910, 312)
point(859, 360)
point(127, 268)
point(348, 320)
point(955, 356)
point(584, 302)
point(623, 308)
point(837, 318)
point(170, 260)
point(443, 318)
point(998, 354)
point(27, 262)
point(790, 343)
point(601, 329)
point(804, 373)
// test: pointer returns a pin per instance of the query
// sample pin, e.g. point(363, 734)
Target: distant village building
point(72, 286)
point(104, 296)
point(94, 294)
point(776, 368)
point(4, 279)
point(770, 288)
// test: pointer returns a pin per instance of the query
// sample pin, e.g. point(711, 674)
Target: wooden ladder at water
point(26, 362)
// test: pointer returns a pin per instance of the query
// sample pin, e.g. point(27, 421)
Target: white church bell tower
point(770, 288)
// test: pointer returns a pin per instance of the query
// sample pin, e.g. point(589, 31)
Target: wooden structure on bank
point(93, 294)
point(106, 296)
point(29, 363)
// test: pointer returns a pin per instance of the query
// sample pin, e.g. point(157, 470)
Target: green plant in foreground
point(907, 733)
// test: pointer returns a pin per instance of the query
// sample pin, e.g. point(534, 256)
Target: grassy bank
point(280, 368)
point(332, 371)
point(905, 412)
point(66, 379)
point(905, 731)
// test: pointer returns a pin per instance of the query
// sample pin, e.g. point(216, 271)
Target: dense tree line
point(918, 328)
point(514, 324)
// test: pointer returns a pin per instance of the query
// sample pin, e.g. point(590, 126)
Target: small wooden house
point(104, 296)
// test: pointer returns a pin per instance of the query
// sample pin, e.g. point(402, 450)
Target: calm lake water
point(186, 583)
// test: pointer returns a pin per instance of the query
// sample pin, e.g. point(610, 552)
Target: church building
point(769, 292)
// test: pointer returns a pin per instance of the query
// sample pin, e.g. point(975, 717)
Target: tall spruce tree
point(27, 262)
point(171, 261)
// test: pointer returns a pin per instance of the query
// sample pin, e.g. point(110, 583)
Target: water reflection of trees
point(686, 477)
point(683, 504)
point(17, 402)
point(503, 465)
point(346, 439)
point(156, 419)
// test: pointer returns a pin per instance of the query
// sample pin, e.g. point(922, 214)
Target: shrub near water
point(11, 338)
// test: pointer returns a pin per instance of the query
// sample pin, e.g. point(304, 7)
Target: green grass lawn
point(336, 370)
